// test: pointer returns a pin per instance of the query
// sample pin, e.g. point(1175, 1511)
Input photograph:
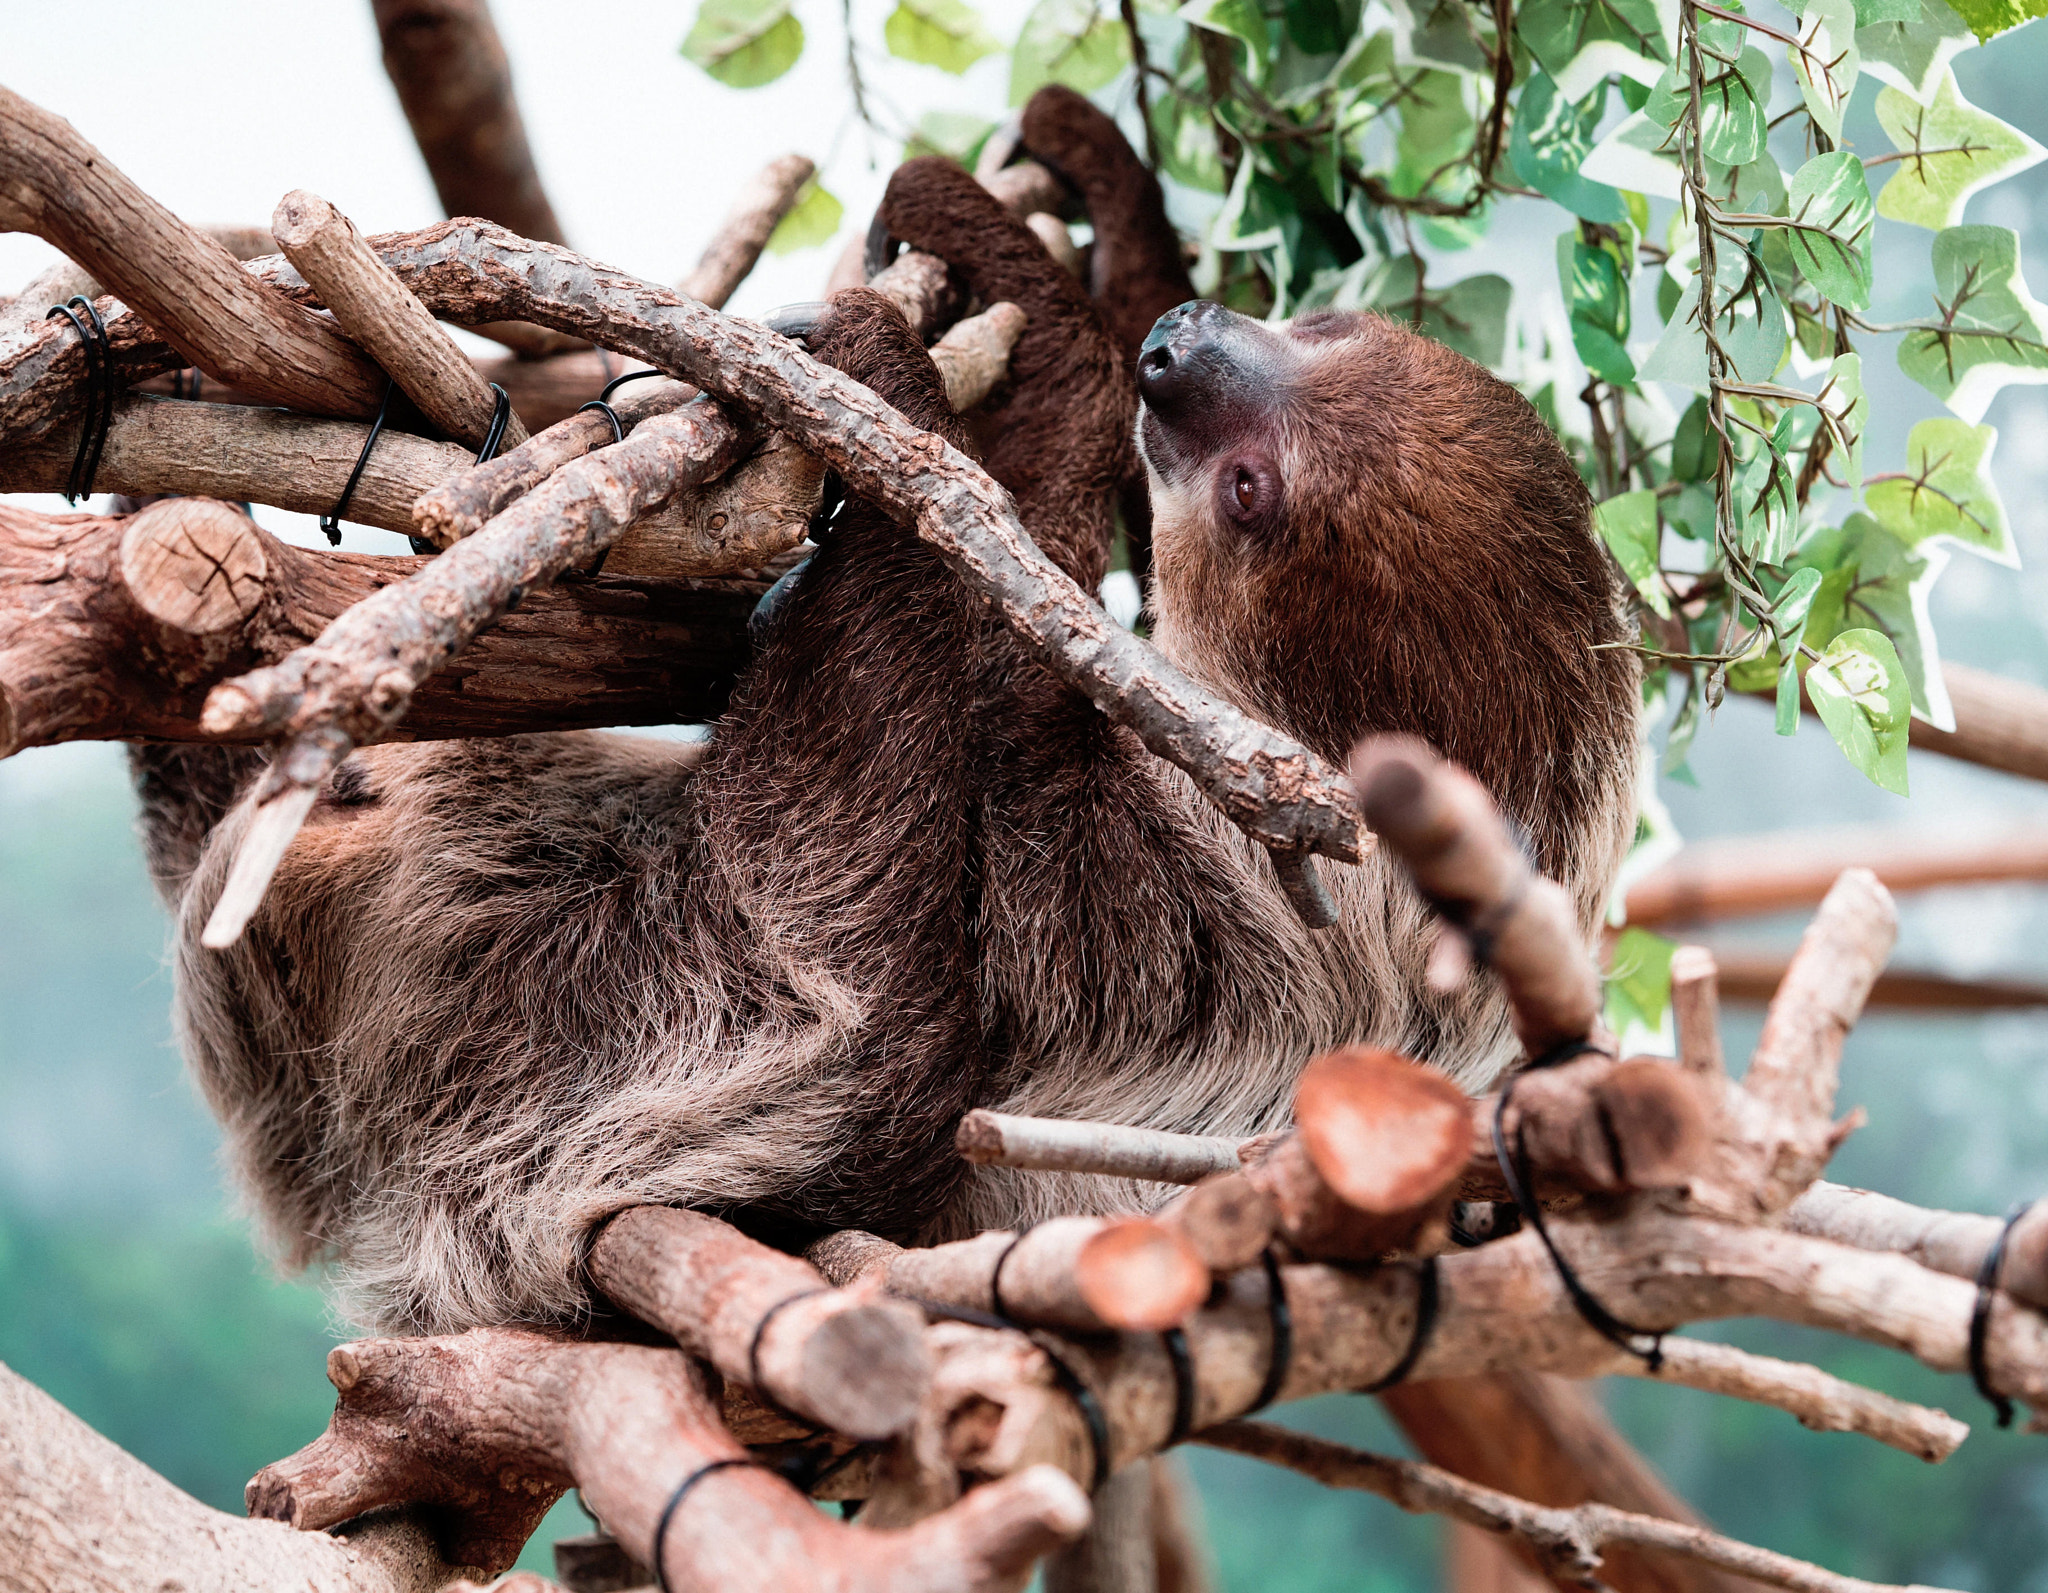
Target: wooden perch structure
point(745, 232)
point(998, 1139)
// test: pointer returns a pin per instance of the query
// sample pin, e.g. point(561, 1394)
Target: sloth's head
point(1355, 528)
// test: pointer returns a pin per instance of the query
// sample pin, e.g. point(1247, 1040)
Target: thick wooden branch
point(493, 1425)
point(2000, 723)
point(1446, 831)
point(67, 279)
point(1567, 1540)
point(1753, 977)
point(1696, 1012)
point(1773, 873)
point(998, 1139)
point(85, 655)
point(242, 455)
point(455, 85)
point(1083, 1273)
point(375, 309)
point(190, 289)
point(745, 231)
point(1953, 1242)
point(1596, 1126)
point(79, 1513)
point(845, 1358)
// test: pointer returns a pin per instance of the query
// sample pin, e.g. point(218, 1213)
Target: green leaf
point(745, 43)
point(1549, 144)
point(1989, 18)
point(953, 134)
point(1871, 578)
point(1991, 331)
point(1437, 129)
point(1242, 20)
point(1436, 33)
point(1826, 61)
point(1070, 42)
point(1733, 119)
point(1694, 447)
point(1830, 199)
point(1579, 42)
point(1187, 143)
point(1596, 294)
point(1843, 397)
point(812, 220)
point(1638, 156)
point(1951, 149)
point(1913, 55)
point(1470, 316)
point(941, 33)
point(1748, 320)
point(1946, 491)
point(1858, 687)
point(1317, 27)
point(1639, 980)
point(1869, 12)
point(1628, 525)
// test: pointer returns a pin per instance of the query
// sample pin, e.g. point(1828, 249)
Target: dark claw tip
point(797, 321)
point(881, 249)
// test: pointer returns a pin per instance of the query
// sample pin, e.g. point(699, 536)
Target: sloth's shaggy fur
point(500, 989)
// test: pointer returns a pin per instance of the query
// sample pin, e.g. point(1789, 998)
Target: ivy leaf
point(1951, 149)
point(1070, 42)
point(1637, 156)
point(1826, 61)
point(1596, 294)
point(1869, 12)
point(1843, 397)
point(1992, 331)
point(1187, 143)
point(1788, 621)
point(953, 134)
point(1639, 980)
point(1946, 491)
point(1733, 122)
point(1318, 27)
point(1913, 55)
point(1989, 18)
point(1437, 130)
point(1470, 316)
point(1435, 33)
point(941, 33)
point(1766, 504)
point(1549, 143)
point(1242, 20)
point(745, 43)
point(1873, 579)
point(1578, 42)
point(1694, 448)
point(1749, 321)
point(1628, 525)
point(1858, 687)
point(1830, 198)
point(812, 220)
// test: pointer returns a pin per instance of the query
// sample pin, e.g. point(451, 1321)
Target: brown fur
point(500, 989)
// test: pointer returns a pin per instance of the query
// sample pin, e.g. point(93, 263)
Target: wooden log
point(1596, 1126)
point(1027, 188)
point(243, 455)
point(1753, 978)
point(67, 279)
point(79, 1513)
point(744, 233)
point(974, 354)
point(1448, 834)
point(998, 1139)
point(1059, 243)
point(493, 1425)
point(1084, 1273)
point(81, 657)
point(1952, 1242)
point(1732, 878)
point(190, 289)
point(1226, 1219)
point(2000, 723)
point(750, 518)
point(377, 310)
point(848, 1358)
point(455, 85)
point(1374, 1164)
point(1567, 1542)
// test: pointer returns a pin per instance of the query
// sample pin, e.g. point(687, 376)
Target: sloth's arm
point(1059, 437)
point(1136, 271)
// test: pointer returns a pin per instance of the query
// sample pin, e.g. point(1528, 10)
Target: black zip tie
point(761, 1329)
point(494, 434)
point(99, 398)
point(1281, 1356)
point(995, 1278)
point(1980, 1313)
point(668, 1511)
point(330, 522)
point(1176, 1342)
point(1514, 1173)
point(1426, 1294)
point(1070, 1381)
point(603, 400)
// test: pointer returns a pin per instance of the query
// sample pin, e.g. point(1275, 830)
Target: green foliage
point(811, 220)
point(745, 43)
point(1333, 153)
point(1639, 980)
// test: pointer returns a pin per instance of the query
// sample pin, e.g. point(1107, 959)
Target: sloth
point(502, 989)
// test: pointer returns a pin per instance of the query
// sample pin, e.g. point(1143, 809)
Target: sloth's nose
point(1172, 359)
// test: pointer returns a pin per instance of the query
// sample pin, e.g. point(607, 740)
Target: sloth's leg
point(1060, 437)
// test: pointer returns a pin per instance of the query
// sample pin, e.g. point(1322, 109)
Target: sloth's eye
point(1247, 490)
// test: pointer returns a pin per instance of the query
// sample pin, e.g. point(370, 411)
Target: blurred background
point(128, 1285)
